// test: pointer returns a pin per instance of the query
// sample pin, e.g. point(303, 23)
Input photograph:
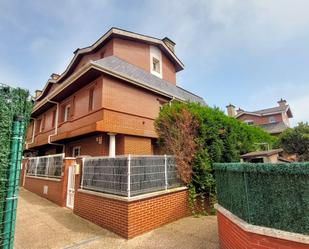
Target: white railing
point(46, 166)
point(129, 175)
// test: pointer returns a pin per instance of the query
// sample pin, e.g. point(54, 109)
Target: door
point(71, 189)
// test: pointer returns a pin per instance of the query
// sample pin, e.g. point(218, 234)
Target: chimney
point(54, 76)
point(282, 102)
point(169, 43)
point(231, 110)
point(37, 93)
point(239, 110)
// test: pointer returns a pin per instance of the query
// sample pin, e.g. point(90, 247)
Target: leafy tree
point(296, 141)
point(199, 136)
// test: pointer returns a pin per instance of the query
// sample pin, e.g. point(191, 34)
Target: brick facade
point(232, 236)
point(57, 188)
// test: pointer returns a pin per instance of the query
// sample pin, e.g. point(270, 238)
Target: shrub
point(214, 137)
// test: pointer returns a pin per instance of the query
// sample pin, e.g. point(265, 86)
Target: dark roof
point(146, 79)
point(261, 153)
point(274, 128)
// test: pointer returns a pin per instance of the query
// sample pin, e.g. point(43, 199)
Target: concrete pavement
point(42, 224)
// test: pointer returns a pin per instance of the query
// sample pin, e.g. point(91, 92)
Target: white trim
point(94, 65)
point(266, 231)
point(155, 53)
point(76, 147)
point(134, 198)
point(123, 33)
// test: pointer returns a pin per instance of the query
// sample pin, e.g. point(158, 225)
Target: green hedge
point(13, 102)
point(270, 195)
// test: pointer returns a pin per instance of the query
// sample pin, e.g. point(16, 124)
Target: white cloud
point(299, 108)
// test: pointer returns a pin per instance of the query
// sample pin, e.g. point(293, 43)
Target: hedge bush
point(13, 101)
point(270, 195)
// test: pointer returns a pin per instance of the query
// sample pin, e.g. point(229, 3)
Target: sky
point(249, 53)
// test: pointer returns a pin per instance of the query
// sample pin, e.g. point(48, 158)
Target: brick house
point(273, 120)
point(91, 145)
point(106, 100)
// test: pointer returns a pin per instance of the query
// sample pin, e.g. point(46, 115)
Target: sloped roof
point(262, 153)
point(146, 79)
point(274, 128)
point(117, 32)
point(268, 111)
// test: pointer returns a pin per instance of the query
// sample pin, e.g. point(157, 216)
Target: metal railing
point(46, 166)
point(129, 175)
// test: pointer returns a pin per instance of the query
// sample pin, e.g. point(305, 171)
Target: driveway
point(42, 224)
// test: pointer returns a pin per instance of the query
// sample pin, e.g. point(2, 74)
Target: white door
point(71, 190)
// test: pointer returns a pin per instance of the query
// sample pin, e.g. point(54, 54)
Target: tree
point(199, 136)
point(296, 141)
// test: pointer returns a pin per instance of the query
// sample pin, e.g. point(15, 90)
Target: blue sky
point(246, 52)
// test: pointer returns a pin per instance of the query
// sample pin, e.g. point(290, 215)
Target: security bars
point(129, 175)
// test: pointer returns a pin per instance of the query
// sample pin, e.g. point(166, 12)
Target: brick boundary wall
point(57, 188)
point(130, 218)
point(235, 233)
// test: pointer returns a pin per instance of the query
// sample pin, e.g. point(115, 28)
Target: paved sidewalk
point(42, 224)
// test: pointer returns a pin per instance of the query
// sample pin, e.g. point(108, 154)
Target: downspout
point(56, 127)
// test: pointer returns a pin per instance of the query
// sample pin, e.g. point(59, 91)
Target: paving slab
point(42, 224)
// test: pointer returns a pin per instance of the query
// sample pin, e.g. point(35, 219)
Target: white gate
point(71, 187)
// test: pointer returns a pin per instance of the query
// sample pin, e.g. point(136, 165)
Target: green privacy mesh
point(13, 102)
point(271, 195)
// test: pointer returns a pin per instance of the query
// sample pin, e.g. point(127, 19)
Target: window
point(271, 119)
point(249, 122)
point(91, 102)
point(76, 151)
point(66, 114)
point(54, 118)
point(39, 126)
point(155, 65)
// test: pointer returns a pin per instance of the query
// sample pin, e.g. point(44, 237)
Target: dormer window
point(155, 65)
point(156, 61)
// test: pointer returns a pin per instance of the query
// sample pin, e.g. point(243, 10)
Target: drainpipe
point(56, 127)
point(170, 102)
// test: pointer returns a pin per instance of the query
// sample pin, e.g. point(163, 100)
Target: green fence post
point(13, 181)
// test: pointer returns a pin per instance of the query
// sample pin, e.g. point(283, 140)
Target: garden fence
point(271, 195)
point(46, 166)
point(14, 114)
point(129, 175)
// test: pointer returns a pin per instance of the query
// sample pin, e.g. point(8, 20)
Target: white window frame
point(66, 114)
point(271, 119)
point(249, 122)
point(73, 150)
point(155, 53)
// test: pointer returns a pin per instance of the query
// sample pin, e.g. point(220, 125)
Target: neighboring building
point(267, 156)
point(107, 99)
point(274, 120)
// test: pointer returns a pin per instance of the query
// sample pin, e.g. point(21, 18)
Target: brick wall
point(232, 236)
point(57, 189)
point(129, 219)
point(148, 214)
point(260, 120)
